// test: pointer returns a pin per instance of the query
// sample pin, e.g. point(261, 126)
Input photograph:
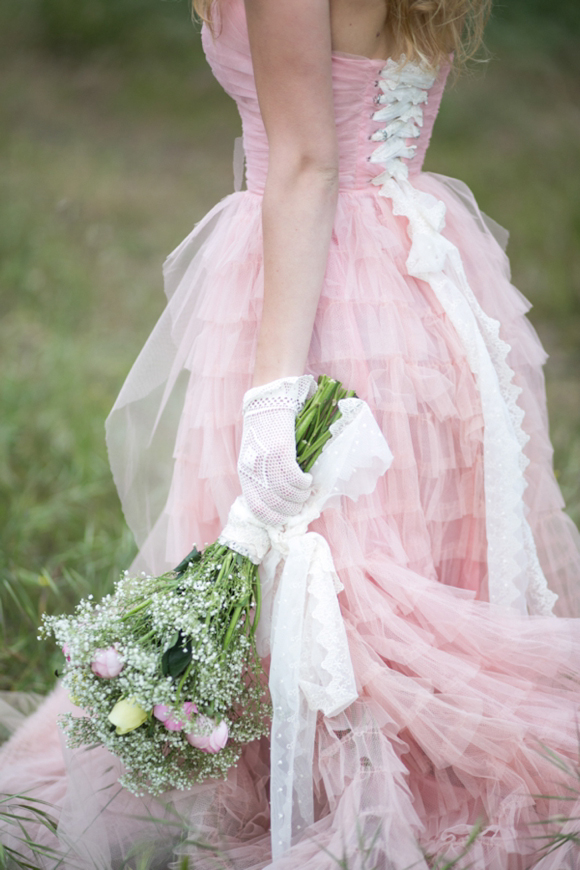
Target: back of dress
point(415, 289)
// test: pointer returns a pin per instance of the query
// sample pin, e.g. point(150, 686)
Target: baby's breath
point(192, 611)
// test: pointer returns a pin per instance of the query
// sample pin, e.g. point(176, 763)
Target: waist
point(354, 176)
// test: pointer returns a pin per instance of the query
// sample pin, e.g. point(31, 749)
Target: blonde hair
point(423, 30)
point(430, 30)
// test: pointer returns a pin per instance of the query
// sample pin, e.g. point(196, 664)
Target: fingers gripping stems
point(273, 485)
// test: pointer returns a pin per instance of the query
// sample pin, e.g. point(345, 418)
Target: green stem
point(182, 681)
point(137, 609)
point(144, 638)
point(232, 626)
point(258, 597)
point(305, 421)
point(315, 418)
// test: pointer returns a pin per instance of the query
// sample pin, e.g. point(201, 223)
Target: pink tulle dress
point(466, 681)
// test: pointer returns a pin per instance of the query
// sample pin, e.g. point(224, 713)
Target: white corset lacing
point(515, 577)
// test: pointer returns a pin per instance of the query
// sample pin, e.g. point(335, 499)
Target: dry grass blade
point(566, 829)
point(16, 812)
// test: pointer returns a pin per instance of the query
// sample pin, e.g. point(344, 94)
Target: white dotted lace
point(516, 579)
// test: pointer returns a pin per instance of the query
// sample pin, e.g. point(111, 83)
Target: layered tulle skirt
point(461, 704)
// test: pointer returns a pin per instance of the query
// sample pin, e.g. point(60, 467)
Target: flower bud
point(127, 715)
point(215, 737)
point(219, 737)
point(166, 715)
point(107, 663)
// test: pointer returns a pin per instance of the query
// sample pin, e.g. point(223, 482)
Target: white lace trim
point(244, 533)
point(290, 393)
point(516, 579)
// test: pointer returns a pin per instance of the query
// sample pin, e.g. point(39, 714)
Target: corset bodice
point(383, 111)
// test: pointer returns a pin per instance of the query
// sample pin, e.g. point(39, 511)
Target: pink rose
point(212, 742)
point(107, 663)
point(165, 715)
point(66, 652)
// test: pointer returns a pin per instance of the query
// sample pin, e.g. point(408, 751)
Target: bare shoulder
point(359, 27)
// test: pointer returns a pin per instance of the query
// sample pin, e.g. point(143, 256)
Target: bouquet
point(166, 668)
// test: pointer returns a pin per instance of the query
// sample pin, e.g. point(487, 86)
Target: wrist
point(277, 356)
point(264, 377)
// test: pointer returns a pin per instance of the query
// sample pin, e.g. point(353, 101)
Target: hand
point(274, 486)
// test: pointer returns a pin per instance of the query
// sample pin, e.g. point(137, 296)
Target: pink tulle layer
point(460, 703)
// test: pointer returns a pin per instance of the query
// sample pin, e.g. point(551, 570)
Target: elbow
point(325, 175)
point(319, 170)
point(322, 167)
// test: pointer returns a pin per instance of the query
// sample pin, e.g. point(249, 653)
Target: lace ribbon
point(515, 577)
point(301, 625)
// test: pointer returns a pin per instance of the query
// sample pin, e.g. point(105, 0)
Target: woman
point(343, 258)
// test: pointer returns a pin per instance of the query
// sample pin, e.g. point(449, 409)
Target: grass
point(114, 140)
point(16, 812)
point(171, 832)
point(106, 166)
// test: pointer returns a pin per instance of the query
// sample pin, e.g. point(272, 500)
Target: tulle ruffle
point(456, 697)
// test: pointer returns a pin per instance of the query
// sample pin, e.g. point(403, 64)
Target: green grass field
point(114, 140)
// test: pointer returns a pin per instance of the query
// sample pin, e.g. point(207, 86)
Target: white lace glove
point(274, 486)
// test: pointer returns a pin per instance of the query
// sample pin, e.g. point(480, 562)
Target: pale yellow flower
point(127, 715)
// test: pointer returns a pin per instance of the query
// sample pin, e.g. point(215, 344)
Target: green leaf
point(194, 556)
point(176, 659)
point(174, 641)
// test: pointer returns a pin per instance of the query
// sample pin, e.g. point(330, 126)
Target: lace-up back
point(361, 86)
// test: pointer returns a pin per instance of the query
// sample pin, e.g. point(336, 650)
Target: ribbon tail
point(287, 704)
point(326, 674)
point(516, 579)
point(301, 623)
point(310, 670)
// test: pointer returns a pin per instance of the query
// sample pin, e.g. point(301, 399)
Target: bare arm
point(291, 53)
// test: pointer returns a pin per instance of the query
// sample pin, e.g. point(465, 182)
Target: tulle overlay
point(457, 697)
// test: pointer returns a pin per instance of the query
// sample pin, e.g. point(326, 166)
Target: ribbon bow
point(301, 624)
